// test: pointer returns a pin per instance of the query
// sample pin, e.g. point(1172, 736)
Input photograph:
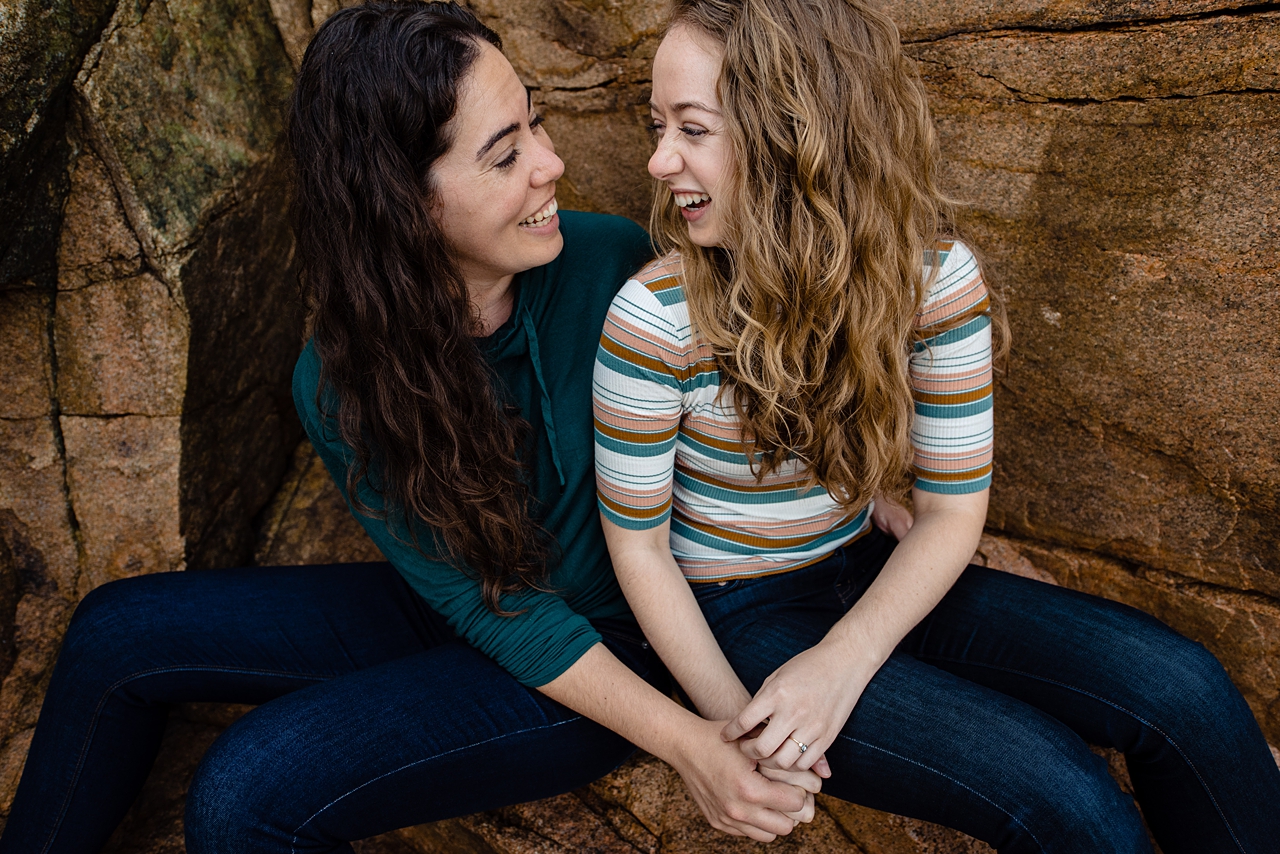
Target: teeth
point(686, 199)
point(543, 215)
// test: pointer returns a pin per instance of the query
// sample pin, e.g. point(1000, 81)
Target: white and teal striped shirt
point(669, 444)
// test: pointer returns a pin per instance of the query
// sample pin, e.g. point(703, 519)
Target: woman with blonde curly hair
point(812, 343)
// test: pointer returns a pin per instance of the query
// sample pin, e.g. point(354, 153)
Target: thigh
point(242, 635)
point(760, 623)
point(441, 733)
point(925, 743)
point(1088, 661)
point(1122, 679)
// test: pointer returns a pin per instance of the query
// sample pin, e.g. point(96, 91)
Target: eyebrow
point(687, 105)
point(509, 129)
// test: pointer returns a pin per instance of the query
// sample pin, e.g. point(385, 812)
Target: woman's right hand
point(737, 796)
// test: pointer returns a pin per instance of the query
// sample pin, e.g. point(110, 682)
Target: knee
point(1195, 673)
point(253, 792)
point(227, 805)
point(1188, 689)
point(1189, 710)
point(1075, 805)
point(110, 621)
point(120, 610)
point(205, 822)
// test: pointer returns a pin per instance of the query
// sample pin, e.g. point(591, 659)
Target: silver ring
point(803, 747)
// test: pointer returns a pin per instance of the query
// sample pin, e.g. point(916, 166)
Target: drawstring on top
point(536, 357)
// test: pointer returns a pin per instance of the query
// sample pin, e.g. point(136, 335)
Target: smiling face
point(496, 186)
point(691, 153)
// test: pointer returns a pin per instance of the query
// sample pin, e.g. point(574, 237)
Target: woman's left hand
point(802, 704)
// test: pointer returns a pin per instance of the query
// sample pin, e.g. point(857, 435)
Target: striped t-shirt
point(669, 444)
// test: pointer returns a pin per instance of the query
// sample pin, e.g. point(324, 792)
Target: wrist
point(725, 707)
point(853, 651)
point(678, 739)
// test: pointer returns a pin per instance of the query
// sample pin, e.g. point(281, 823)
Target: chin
point(705, 233)
point(548, 250)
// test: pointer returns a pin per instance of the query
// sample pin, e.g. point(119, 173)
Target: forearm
point(923, 567)
point(602, 688)
point(668, 613)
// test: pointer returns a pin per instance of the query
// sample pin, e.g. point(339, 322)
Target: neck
point(493, 302)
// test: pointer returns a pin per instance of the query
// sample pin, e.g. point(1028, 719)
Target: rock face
point(1123, 183)
point(308, 522)
point(148, 325)
point(1119, 158)
point(1119, 161)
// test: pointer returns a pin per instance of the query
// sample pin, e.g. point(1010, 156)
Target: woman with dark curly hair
point(456, 313)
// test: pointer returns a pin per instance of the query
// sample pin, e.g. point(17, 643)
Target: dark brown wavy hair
point(389, 310)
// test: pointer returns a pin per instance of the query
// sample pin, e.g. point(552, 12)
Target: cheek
point(501, 207)
point(718, 169)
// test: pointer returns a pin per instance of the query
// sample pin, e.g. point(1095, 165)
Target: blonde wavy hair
point(832, 201)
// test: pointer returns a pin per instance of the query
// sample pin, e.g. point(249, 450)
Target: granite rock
point(42, 43)
point(1119, 158)
point(308, 522)
point(25, 353)
point(1122, 185)
point(921, 20)
point(148, 310)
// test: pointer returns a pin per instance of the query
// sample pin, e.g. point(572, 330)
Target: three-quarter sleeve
point(950, 366)
point(535, 645)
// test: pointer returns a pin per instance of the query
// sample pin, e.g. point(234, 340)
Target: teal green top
point(543, 357)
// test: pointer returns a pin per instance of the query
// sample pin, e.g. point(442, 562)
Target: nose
point(665, 161)
point(549, 166)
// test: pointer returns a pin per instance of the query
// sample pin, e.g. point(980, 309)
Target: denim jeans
point(981, 719)
point(373, 714)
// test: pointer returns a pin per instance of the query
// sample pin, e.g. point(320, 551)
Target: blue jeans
point(373, 714)
point(981, 718)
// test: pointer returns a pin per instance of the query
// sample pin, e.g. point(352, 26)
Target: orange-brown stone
point(1120, 163)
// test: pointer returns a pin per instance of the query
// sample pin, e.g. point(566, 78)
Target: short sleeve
point(638, 403)
point(950, 364)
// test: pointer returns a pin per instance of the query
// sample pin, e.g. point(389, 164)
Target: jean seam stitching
point(97, 713)
point(944, 775)
point(293, 848)
point(1194, 770)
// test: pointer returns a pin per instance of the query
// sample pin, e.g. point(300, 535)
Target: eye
point(508, 161)
point(655, 127)
point(694, 131)
point(536, 122)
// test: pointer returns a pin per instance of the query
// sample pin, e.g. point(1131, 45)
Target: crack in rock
point(1119, 25)
point(1054, 100)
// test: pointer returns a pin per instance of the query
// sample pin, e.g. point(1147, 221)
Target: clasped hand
point(799, 704)
point(738, 796)
point(799, 710)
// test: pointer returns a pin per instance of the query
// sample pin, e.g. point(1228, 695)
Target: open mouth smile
point(542, 217)
point(692, 202)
